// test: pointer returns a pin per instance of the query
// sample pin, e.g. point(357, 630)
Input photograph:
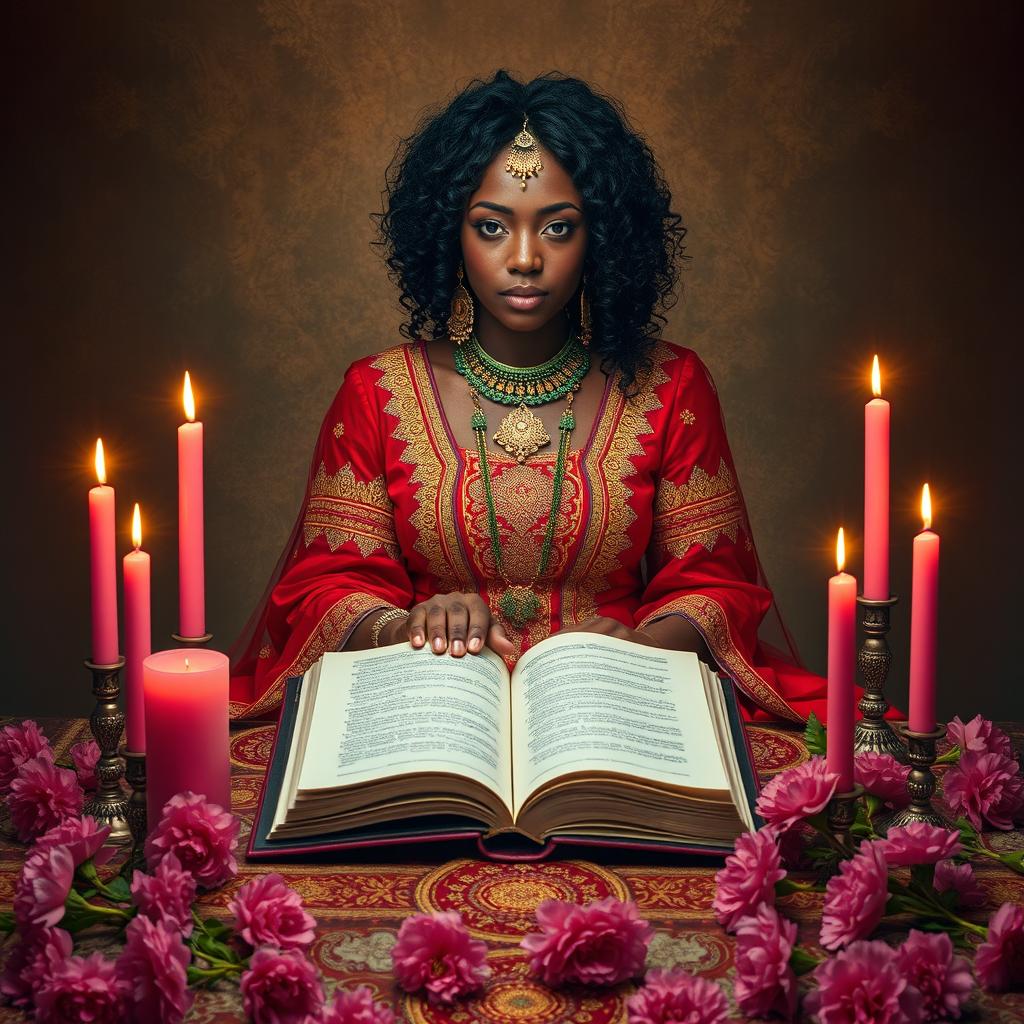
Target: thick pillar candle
point(137, 636)
point(186, 697)
point(103, 566)
point(191, 572)
point(876, 492)
point(842, 607)
point(924, 621)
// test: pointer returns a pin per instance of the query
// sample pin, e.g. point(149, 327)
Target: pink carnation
point(43, 887)
point(765, 983)
point(434, 951)
point(153, 967)
point(882, 776)
point(356, 1006)
point(959, 877)
point(979, 735)
point(32, 963)
point(999, 961)
point(82, 989)
point(166, 895)
point(85, 756)
point(748, 878)
point(42, 795)
point(603, 943)
point(855, 898)
point(986, 788)
point(863, 983)
point(281, 988)
point(944, 980)
point(269, 913)
point(920, 843)
point(18, 744)
point(798, 793)
point(675, 997)
point(202, 835)
point(84, 838)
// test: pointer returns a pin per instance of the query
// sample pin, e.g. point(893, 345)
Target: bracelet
point(382, 620)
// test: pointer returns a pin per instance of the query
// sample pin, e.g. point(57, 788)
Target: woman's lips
point(524, 301)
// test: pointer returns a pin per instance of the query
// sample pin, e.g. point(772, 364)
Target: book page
point(582, 702)
point(398, 710)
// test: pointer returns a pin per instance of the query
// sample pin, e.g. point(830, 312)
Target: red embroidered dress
point(395, 512)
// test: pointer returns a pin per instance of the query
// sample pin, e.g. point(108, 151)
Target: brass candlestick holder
point(135, 772)
point(873, 732)
point(842, 812)
point(191, 641)
point(921, 783)
point(110, 805)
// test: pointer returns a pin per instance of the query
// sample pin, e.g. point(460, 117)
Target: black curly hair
point(635, 240)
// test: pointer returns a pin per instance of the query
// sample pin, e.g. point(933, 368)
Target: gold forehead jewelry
point(524, 156)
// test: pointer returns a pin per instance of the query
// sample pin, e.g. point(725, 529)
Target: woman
point(535, 459)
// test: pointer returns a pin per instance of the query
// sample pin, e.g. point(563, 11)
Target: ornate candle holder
point(110, 805)
point(135, 772)
point(192, 641)
point(873, 732)
point(842, 812)
point(921, 783)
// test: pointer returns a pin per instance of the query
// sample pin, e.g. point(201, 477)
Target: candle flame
point(137, 528)
point(190, 402)
point(876, 379)
point(187, 665)
point(926, 507)
point(101, 462)
point(840, 551)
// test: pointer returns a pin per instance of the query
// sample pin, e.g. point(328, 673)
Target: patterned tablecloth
point(359, 906)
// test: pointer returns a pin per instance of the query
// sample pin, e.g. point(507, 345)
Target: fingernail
point(417, 639)
point(458, 648)
point(438, 644)
point(474, 644)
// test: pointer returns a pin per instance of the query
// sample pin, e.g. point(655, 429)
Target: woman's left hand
point(607, 626)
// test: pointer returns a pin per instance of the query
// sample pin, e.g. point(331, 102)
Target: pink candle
point(103, 566)
point(924, 621)
point(842, 606)
point(876, 492)
point(191, 573)
point(186, 697)
point(137, 636)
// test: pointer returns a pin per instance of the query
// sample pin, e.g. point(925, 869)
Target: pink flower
point(985, 787)
point(999, 961)
point(43, 887)
point(792, 845)
point(855, 898)
point(882, 776)
point(32, 963)
point(944, 980)
point(82, 989)
point(356, 1006)
point(281, 988)
point(920, 843)
point(83, 837)
point(748, 878)
point(42, 795)
point(269, 913)
point(979, 735)
point(202, 835)
point(675, 997)
point(152, 967)
point(961, 878)
point(863, 983)
point(166, 895)
point(798, 793)
point(434, 951)
point(603, 943)
point(85, 756)
point(18, 744)
point(765, 983)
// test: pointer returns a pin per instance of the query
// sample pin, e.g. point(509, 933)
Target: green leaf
point(814, 735)
point(923, 875)
point(951, 756)
point(215, 928)
point(801, 961)
point(1014, 860)
point(873, 804)
point(968, 833)
point(118, 889)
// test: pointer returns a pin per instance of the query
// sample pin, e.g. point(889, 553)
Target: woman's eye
point(484, 225)
point(564, 225)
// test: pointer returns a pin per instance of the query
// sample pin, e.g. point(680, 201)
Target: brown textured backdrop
point(189, 185)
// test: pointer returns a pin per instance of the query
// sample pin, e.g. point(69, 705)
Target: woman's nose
point(525, 258)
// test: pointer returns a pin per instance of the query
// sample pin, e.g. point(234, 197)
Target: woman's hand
point(608, 626)
point(450, 622)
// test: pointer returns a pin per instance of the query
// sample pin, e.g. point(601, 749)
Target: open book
point(590, 737)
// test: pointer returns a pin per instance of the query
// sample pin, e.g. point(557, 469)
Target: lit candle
point(191, 597)
point(103, 566)
point(876, 492)
point(137, 636)
point(924, 620)
point(186, 697)
point(842, 604)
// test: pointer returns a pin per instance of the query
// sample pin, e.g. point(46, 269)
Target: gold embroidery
point(688, 417)
point(266, 651)
point(344, 509)
point(339, 429)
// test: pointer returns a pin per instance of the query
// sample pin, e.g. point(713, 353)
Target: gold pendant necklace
point(521, 433)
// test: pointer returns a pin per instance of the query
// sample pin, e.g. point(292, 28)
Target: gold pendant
point(521, 433)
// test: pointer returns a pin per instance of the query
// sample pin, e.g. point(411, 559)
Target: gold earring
point(585, 332)
point(460, 323)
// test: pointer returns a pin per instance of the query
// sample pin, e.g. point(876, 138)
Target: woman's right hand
point(450, 622)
